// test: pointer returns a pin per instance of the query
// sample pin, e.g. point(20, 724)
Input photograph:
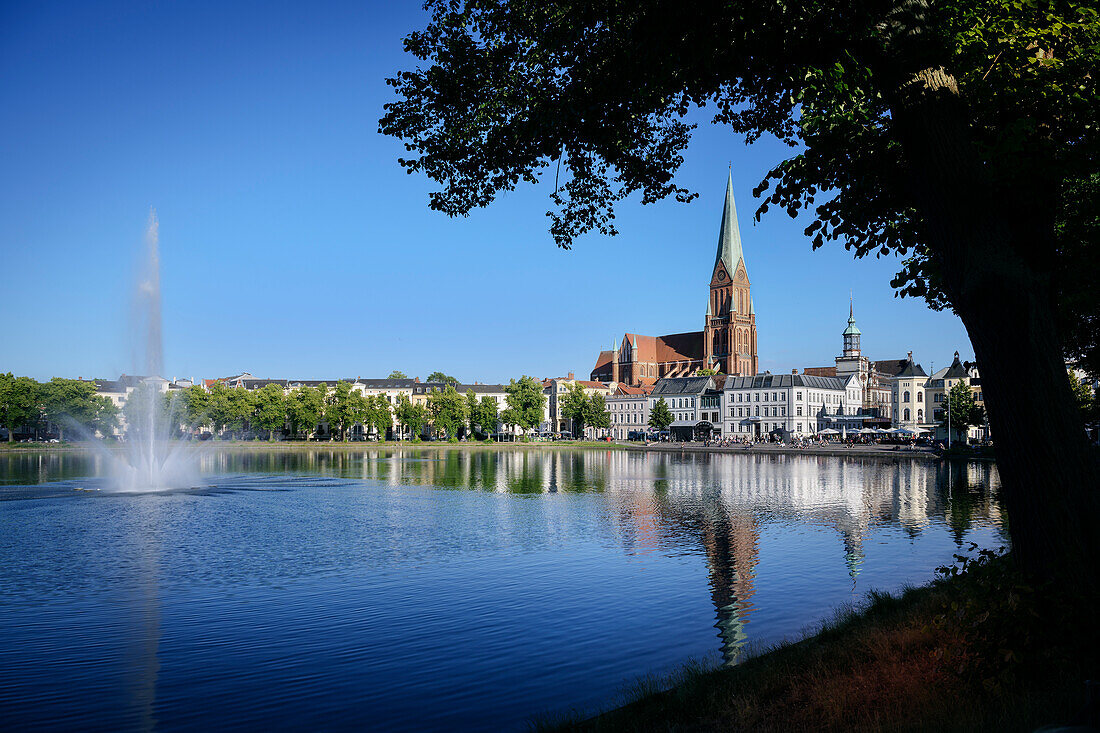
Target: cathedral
point(727, 343)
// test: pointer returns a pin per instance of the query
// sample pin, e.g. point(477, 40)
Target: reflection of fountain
point(152, 459)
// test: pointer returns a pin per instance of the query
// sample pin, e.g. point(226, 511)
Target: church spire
point(729, 237)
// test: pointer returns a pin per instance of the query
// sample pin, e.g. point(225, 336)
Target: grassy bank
point(976, 651)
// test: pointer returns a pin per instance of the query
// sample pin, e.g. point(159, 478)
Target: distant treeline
point(29, 406)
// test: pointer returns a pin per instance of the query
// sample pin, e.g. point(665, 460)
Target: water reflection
point(715, 505)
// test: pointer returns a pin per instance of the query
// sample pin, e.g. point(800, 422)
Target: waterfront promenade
point(837, 449)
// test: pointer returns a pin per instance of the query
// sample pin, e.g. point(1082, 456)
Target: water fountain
point(153, 459)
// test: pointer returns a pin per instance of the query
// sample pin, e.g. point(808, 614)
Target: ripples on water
point(420, 589)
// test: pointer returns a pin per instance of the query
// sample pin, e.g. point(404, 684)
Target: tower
point(729, 330)
point(852, 333)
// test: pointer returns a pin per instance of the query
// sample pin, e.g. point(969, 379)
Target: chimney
point(910, 356)
point(794, 371)
point(571, 375)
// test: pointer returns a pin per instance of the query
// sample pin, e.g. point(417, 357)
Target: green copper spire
point(729, 237)
point(853, 329)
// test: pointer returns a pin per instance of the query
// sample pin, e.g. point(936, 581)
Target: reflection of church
point(727, 342)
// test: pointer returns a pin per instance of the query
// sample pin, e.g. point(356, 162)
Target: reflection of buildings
point(716, 507)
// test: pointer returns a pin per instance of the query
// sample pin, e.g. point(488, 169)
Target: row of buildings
point(711, 379)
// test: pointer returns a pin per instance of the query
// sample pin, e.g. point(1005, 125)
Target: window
point(906, 397)
point(757, 396)
point(920, 415)
point(920, 396)
point(798, 396)
point(799, 410)
point(799, 427)
point(906, 418)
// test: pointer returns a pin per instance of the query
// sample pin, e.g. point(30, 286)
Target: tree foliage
point(19, 402)
point(378, 415)
point(71, 403)
point(441, 377)
point(1084, 396)
point(526, 403)
point(398, 374)
point(270, 409)
point(660, 417)
point(447, 409)
point(346, 407)
point(485, 415)
point(305, 406)
point(595, 412)
point(413, 416)
point(959, 404)
point(573, 406)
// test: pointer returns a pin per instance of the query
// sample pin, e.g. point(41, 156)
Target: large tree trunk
point(993, 249)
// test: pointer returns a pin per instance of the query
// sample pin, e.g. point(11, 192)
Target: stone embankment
point(875, 451)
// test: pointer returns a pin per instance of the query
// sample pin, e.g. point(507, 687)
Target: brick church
point(727, 342)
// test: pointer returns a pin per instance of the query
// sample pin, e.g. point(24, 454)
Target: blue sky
point(292, 243)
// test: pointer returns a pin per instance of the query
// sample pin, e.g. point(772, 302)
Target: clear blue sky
point(292, 243)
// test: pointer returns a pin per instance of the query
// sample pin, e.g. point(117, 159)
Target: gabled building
point(695, 403)
point(727, 342)
point(911, 408)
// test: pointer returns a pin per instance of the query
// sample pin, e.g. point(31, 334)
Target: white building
point(696, 405)
point(554, 421)
point(911, 407)
point(628, 410)
point(794, 404)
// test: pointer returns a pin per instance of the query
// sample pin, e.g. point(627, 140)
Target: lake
point(413, 589)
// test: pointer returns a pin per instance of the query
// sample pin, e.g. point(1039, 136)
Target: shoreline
point(859, 451)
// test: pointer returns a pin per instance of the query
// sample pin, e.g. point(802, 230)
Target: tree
point(573, 406)
point(595, 412)
point(305, 406)
point(346, 408)
point(238, 407)
point(397, 374)
point(471, 411)
point(447, 409)
point(485, 415)
point(705, 372)
point(959, 403)
point(441, 377)
point(1083, 396)
point(105, 419)
point(270, 409)
point(526, 402)
point(411, 415)
point(69, 403)
point(660, 417)
point(19, 402)
point(143, 411)
point(956, 134)
point(195, 407)
point(378, 415)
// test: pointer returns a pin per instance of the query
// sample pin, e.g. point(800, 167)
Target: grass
point(975, 651)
